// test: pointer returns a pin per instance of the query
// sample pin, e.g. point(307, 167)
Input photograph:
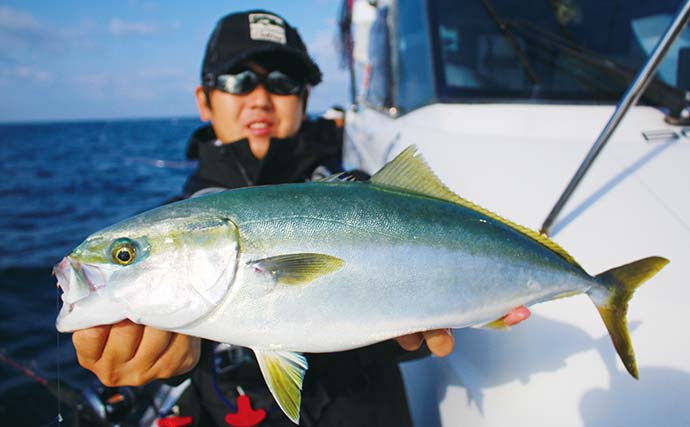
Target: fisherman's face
point(257, 115)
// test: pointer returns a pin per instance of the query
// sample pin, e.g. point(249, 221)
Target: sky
point(74, 59)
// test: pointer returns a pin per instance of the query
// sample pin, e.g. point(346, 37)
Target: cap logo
point(263, 26)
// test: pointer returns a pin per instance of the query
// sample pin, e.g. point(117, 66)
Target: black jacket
point(318, 143)
point(361, 387)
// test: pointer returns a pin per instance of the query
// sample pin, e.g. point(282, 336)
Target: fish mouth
point(83, 304)
point(77, 280)
point(62, 272)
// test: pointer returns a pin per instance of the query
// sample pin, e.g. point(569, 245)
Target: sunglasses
point(246, 81)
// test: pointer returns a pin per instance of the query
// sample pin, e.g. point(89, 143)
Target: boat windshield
point(559, 50)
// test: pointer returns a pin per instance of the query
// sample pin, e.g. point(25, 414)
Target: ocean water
point(61, 182)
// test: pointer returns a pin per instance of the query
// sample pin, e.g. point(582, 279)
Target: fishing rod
point(65, 393)
point(632, 95)
point(97, 406)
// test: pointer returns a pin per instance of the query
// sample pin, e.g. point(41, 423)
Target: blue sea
point(61, 182)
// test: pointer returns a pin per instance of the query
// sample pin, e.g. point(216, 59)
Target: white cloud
point(159, 73)
point(20, 28)
point(143, 5)
point(24, 72)
point(113, 86)
point(142, 85)
point(322, 44)
point(323, 48)
point(13, 20)
point(333, 89)
point(81, 36)
point(119, 28)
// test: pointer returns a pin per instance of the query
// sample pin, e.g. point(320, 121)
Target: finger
point(89, 344)
point(154, 342)
point(181, 355)
point(440, 341)
point(123, 343)
point(410, 342)
point(516, 316)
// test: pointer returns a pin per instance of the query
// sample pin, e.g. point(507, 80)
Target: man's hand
point(441, 342)
point(129, 354)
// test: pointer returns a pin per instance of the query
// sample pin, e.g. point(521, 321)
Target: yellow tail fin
point(618, 286)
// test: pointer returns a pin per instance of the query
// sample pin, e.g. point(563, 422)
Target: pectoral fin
point(284, 372)
point(294, 269)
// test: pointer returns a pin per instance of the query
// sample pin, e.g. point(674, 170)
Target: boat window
point(378, 86)
point(415, 71)
point(587, 50)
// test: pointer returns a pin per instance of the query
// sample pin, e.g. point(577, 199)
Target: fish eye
point(123, 251)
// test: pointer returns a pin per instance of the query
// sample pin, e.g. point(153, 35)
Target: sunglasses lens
point(282, 84)
point(238, 84)
point(246, 81)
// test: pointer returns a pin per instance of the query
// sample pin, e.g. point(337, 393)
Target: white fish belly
point(382, 292)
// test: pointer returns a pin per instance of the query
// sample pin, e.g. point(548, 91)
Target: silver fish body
point(411, 263)
point(328, 266)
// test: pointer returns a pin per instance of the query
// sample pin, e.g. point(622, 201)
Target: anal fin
point(284, 372)
point(498, 324)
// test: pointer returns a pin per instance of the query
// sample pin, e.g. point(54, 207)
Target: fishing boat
point(505, 100)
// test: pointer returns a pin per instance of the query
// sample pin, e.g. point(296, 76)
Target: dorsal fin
point(337, 177)
point(409, 172)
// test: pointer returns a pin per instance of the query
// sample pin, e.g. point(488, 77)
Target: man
point(256, 77)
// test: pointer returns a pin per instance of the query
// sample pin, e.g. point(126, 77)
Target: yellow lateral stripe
point(534, 235)
point(409, 172)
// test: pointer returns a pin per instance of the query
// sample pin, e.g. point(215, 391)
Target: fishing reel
point(106, 406)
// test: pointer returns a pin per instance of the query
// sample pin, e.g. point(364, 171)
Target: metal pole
point(351, 68)
point(632, 95)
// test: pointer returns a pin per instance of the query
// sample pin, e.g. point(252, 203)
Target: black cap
point(256, 33)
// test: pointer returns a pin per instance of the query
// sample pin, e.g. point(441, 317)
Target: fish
point(329, 266)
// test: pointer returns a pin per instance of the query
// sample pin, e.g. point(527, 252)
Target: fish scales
point(424, 263)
